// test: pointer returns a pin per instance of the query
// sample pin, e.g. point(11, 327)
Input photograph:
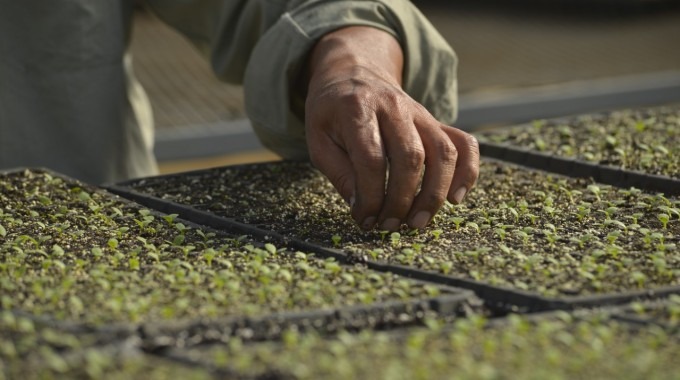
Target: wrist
point(347, 53)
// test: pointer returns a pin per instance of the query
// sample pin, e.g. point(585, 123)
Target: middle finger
point(406, 156)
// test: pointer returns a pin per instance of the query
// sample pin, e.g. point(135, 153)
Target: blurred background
point(519, 61)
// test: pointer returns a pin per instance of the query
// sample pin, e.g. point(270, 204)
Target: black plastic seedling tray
point(450, 302)
point(379, 316)
point(611, 147)
point(498, 297)
point(579, 168)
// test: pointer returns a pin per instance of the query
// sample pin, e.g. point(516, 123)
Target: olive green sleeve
point(264, 43)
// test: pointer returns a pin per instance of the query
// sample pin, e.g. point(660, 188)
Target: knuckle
point(401, 202)
point(399, 108)
point(411, 157)
point(472, 143)
point(356, 106)
point(354, 99)
point(373, 161)
point(341, 181)
point(446, 152)
point(472, 176)
point(468, 176)
point(432, 200)
point(472, 164)
point(394, 99)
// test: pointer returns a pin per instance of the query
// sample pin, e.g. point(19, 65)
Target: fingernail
point(459, 194)
point(351, 202)
point(390, 224)
point(369, 222)
point(421, 219)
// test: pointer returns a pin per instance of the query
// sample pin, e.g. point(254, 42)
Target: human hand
point(361, 125)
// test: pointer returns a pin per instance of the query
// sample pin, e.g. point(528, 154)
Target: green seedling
point(436, 233)
point(457, 221)
point(500, 233)
point(639, 278)
point(336, 240)
point(612, 236)
point(395, 237)
point(170, 218)
point(595, 190)
point(473, 225)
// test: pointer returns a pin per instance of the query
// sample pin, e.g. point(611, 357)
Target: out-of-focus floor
point(505, 46)
point(555, 58)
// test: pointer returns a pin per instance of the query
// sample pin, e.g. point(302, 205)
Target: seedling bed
point(630, 148)
point(80, 256)
point(552, 346)
point(523, 237)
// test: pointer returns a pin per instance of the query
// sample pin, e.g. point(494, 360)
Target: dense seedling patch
point(34, 350)
point(544, 233)
point(559, 348)
point(519, 228)
point(74, 253)
point(642, 140)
